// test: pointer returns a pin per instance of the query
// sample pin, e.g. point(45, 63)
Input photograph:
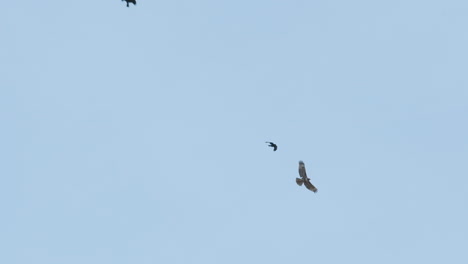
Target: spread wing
point(304, 179)
point(310, 186)
point(302, 170)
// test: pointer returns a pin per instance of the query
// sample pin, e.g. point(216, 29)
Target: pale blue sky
point(136, 135)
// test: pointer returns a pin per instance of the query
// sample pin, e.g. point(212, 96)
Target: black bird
point(130, 1)
point(273, 145)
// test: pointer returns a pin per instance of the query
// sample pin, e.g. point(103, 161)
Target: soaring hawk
point(304, 180)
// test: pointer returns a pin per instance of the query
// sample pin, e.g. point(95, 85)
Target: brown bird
point(130, 1)
point(304, 179)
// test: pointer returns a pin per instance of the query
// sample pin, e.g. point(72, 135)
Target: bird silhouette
point(304, 179)
point(130, 1)
point(273, 145)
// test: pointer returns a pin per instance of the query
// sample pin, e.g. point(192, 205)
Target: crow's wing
point(275, 147)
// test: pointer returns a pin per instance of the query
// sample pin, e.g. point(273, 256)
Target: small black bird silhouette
point(130, 1)
point(273, 145)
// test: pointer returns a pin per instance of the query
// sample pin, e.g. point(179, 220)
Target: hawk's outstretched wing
point(310, 186)
point(302, 170)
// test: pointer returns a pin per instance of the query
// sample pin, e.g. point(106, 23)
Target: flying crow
point(273, 145)
point(304, 180)
point(130, 1)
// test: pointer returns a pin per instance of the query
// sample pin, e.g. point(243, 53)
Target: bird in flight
point(304, 180)
point(130, 1)
point(273, 145)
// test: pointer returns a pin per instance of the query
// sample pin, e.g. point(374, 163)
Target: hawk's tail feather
point(299, 181)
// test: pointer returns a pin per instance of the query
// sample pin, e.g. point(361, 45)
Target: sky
point(137, 135)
